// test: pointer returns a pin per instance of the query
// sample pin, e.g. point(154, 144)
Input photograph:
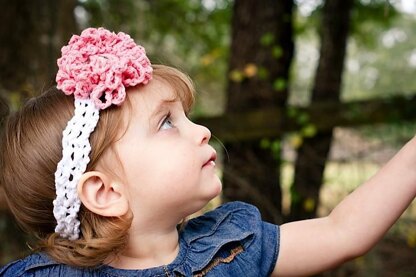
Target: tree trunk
point(31, 34)
point(312, 154)
point(261, 53)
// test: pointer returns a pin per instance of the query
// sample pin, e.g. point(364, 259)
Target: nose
point(201, 134)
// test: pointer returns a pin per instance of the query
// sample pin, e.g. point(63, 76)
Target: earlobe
point(102, 195)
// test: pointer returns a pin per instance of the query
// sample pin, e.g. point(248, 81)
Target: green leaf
point(267, 39)
point(292, 112)
point(303, 118)
point(236, 75)
point(309, 204)
point(277, 52)
point(296, 140)
point(262, 73)
point(265, 143)
point(279, 84)
point(309, 130)
point(276, 145)
point(294, 195)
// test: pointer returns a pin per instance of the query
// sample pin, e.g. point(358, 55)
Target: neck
point(148, 249)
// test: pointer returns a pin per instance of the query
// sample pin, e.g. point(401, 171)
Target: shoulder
point(21, 267)
point(238, 218)
point(39, 264)
point(233, 235)
point(215, 217)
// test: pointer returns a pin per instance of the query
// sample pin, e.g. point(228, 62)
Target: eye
point(167, 123)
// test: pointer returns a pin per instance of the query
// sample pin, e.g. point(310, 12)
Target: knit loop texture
point(75, 158)
point(95, 67)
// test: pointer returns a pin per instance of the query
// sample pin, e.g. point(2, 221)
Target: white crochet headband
point(96, 67)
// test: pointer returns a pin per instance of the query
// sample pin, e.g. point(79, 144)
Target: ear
point(102, 195)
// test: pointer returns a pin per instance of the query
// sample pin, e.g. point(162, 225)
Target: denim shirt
point(231, 240)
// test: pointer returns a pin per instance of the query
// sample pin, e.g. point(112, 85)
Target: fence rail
point(274, 122)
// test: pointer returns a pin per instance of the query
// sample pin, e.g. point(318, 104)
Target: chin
point(219, 189)
point(214, 189)
point(219, 186)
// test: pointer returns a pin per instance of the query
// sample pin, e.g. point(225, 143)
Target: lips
point(211, 160)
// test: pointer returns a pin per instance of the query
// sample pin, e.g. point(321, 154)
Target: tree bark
point(31, 34)
point(261, 53)
point(312, 154)
point(265, 122)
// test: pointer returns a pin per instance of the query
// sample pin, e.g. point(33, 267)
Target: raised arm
point(355, 225)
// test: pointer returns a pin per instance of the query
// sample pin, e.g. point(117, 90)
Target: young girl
point(104, 183)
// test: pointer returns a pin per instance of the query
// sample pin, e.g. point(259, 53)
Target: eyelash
point(166, 119)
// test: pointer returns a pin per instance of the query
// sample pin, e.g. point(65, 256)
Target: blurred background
point(306, 99)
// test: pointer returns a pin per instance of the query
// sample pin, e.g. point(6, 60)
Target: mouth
point(211, 160)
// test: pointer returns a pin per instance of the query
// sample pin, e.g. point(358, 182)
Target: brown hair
point(29, 152)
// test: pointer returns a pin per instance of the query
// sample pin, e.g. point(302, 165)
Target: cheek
point(179, 171)
point(177, 166)
point(161, 165)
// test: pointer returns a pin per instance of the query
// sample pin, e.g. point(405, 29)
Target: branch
point(274, 122)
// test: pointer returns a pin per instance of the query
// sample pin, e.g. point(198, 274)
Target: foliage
point(370, 17)
point(365, 16)
point(386, 69)
point(380, 55)
point(192, 35)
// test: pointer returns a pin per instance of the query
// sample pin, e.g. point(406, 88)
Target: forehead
point(146, 97)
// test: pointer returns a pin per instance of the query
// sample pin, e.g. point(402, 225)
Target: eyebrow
point(162, 104)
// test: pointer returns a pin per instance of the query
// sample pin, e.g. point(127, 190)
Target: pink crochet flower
point(100, 64)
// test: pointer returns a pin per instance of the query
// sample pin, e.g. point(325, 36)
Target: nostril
point(200, 133)
point(207, 134)
point(203, 134)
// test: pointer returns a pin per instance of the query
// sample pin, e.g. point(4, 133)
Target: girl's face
point(169, 167)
